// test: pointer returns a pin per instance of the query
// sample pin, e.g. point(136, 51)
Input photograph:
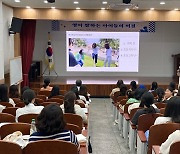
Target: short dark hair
point(133, 85)
point(78, 83)
point(46, 82)
point(51, 120)
point(123, 89)
point(138, 93)
point(154, 85)
point(54, 91)
point(13, 91)
point(119, 83)
point(172, 85)
point(160, 93)
point(69, 100)
point(173, 109)
point(4, 93)
point(94, 45)
point(28, 96)
point(75, 90)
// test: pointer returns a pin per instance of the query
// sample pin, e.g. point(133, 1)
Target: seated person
point(84, 95)
point(154, 86)
point(146, 102)
point(69, 106)
point(50, 125)
point(173, 86)
point(78, 84)
point(28, 99)
point(172, 112)
point(174, 137)
point(54, 91)
point(168, 94)
point(4, 95)
point(123, 90)
point(13, 91)
point(160, 95)
point(46, 85)
point(133, 86)
point(118, 84)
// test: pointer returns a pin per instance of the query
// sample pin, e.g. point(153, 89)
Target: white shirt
point(2, 107)
point(174, 137)
point(162, 120)
point(12, 102)
point(108, 52)
point(95, 50)
point(78, 110)
point(28, 109)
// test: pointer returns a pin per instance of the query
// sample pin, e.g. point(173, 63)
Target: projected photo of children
point(94, 52)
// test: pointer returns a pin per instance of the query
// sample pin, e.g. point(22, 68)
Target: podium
point(176, 66)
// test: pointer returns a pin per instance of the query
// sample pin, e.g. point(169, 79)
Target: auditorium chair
point(9, 148)
point(16, 100)
point(175, 148)
point(44, 92)
point(82, 105)
point(74, 119)
point(39, 101)
point(7, 129)
point(47, 103)
point(158, 134)
point(7, 104)
point(160, 105)
point(27, 118)
point(20, 104)
point(57, 100)
point(50, 147)
point(62, 92)
point(162, 110)
point(145, 121)
point(43, 97)
point(59, 96)
point(6, 117)
point(73, 127)
point(10, 110)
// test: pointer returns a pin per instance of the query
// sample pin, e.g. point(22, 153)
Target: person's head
point(75, 90)
point(154, 85)
point(123, 89)
point(54, 91)
point(46, 82)
point(160, 93)
point(169, 92)
point(138, 93)
point(81, 51)
point(4, 93)
point(172, 85)
point(173, 109)
point(94, 45)
point(133, 85)
point(51, 120)
point(69, 101)
point(106, 45)
point(13, 91)
point(78, 83)
point(130, 94)
point(119, 83)
point(28, 96)
point(147, 99)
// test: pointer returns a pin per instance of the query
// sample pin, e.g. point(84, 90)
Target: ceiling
point(97, 4)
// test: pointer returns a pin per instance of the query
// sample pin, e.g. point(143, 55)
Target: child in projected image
point(80, 57)
point(95, 53)
point(108, 55)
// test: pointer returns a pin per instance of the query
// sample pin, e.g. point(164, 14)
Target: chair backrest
point(9, 148)
point(161, 105)
point(114, 97)
point(39, 100)
point(6, 117)
point(7, 129)
point(74, 119)
point(145, 121)
point(81, 104)
point(73, 127)
point(175, 148)
point(159, 134)
point(58, 100)
point(63, 92)
point(20, 104)
point(44, 92)
point(43, 97)
point(133, 111)
point(59, 96)
point(119, 98)
point(27, 118)
point(50, 147)
point(16, 100)
point(7, 104)
point(162, 110)
point(10, 110)
point(126, 107)
point(47, 103)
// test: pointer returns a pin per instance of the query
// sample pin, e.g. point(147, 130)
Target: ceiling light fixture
point(53, 7)
point(45, 1)
point(127, 9)
point(176, 9)
point(76, 2)
point(78, 8)
point(152, 8)
point(104, 2)
point(28, 7)
point(102, 8)
point(17, 1)
point(162, 3)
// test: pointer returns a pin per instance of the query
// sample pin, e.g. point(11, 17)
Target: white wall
point(155, 51)
point(8, 41)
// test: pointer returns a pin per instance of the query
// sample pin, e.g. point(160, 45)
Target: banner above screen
point(103, 26)
point(102, 51)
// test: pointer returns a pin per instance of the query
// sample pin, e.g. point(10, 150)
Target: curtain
point(27, 38)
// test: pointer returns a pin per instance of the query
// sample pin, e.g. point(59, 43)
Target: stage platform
point(100, 86)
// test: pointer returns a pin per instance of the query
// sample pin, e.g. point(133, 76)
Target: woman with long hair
point(54, 91)
point(13, 91)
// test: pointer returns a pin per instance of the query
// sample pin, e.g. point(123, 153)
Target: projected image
point(102, 51)
point(95, 52)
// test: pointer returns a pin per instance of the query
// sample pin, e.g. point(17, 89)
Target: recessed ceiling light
point(127, 9)
point(176, 9)
point(162, 3)
point(152, 8)
point(78, 8)
point(45, 1)
point(76, 2)
point(17, 1)
point(28, 7)
point(53, 7)
point(102, 8)
point(104, 2)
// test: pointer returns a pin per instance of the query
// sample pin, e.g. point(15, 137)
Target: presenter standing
point(108, 55)
point(178, 74)
point(95, 53)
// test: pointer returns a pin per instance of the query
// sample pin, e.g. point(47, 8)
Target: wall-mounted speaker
point(126, 1)
point(51, 1)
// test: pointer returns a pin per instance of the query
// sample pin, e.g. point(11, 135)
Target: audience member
point(133, 85)
point(46, 85)
point(118, 84)
point(69, 106)
point(4, 95)
point(13, 91)
point(160, 94)
point(22, 91)
point(54, 91)
point(146, 102)
point(123, 90)
point(83, 94)
point(154, 86)
point(168, 94)
point(28, 99)
point(173, 86)
point(50, 124)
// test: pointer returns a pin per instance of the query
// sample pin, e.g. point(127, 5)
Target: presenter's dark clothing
point(72, 60)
